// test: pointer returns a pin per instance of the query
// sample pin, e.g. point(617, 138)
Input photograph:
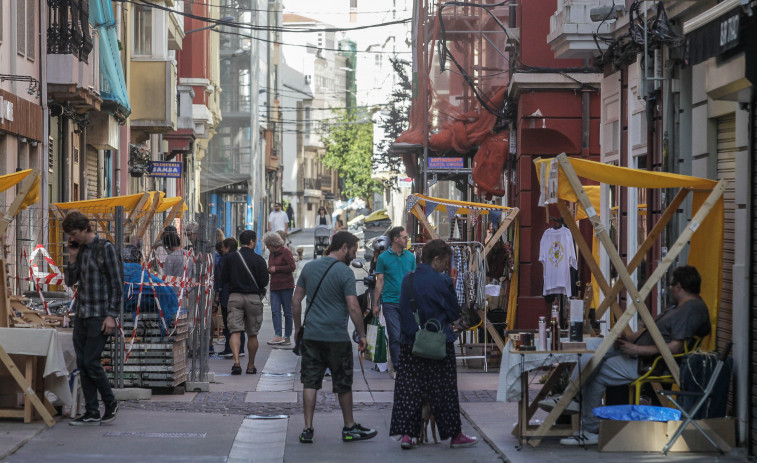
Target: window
point(21, 31)
point(142, 30)
point(30, 42)
point(353, 4)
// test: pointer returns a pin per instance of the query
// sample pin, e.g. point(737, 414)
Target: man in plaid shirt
point(93, 264)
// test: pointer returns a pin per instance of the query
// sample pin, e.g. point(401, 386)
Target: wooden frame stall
point(703, 226)
point(416, 202)
point(27, 195)
point(140, 209)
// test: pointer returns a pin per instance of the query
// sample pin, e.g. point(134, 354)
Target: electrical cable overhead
point(315, 47)
point(239, 8)
point(264, 28)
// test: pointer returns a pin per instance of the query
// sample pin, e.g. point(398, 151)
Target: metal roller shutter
point(92, 182)
point(753, 277)
point(726, 170)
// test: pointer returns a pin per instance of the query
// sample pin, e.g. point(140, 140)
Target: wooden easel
point(624, 272)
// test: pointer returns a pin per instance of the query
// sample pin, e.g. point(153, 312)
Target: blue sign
point(445, 163)
point(164, 169)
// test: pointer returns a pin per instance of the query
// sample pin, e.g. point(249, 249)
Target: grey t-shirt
point(680, 323)
point(327, 318)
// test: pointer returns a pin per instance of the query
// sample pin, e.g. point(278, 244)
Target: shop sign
point(164, 169)
point(6, 110)
point(713, 38)
point(445, 163)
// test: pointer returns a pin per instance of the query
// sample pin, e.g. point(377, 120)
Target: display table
point(32, 345)
point(509, 387)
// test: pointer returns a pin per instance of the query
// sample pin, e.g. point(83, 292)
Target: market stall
point(31, 379)
point(474, 214)
point(562, 184)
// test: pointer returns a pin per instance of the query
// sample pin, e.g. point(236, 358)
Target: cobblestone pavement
point(234, 403)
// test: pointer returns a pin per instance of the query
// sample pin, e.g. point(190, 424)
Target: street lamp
point(225, 19)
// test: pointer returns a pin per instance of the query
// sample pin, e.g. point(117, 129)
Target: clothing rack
point(480, 265)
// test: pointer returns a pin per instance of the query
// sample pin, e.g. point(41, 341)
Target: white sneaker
point(587, 438)
point(551, 402)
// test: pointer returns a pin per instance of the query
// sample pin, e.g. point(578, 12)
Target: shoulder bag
point(428, 344)
point(301, 332)
point(249, 272)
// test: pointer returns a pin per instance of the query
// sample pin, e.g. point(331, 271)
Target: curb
point(484, 436)
point(16, 447)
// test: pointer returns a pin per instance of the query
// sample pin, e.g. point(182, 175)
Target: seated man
point(688, 317)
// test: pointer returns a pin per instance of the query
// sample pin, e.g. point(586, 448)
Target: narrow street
point(256, 417)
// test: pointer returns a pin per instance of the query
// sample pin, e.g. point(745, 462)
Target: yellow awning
point(108, 205)
point(461, 207)
point(706, 245)
point(168, 203)
point(11, 180)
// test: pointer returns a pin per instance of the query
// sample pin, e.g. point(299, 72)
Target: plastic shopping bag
point(371, 337)
point(379, 355)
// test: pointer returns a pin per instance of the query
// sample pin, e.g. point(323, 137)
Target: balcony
point(71, 80)
point(153, 96)
point(571, 29)
point(68, 32)
point(326, 183)
point(311, 183)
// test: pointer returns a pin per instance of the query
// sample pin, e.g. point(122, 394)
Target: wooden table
point(564, 362)
point(44, 368)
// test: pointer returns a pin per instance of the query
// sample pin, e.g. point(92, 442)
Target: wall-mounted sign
point(164, 169)
point(445, 163)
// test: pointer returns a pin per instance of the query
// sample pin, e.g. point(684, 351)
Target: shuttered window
point(21, 31)
point(726, 170)
point(30, 30)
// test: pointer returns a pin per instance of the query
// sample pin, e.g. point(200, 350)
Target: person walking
point(322, 218)
point(228, 245)
point(245, 274)
point(281, 267)
point(329, 285)
point(432, 294)
point(278, 220)
point(391, 267)
point(290, 215)
point(93, 264)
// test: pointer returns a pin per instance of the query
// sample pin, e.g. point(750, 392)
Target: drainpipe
point(43, 155)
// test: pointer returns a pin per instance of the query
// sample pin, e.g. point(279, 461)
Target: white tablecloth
point(43, 343)
point(509, 388)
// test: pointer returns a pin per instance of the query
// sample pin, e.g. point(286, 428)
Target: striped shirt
point(99, 294)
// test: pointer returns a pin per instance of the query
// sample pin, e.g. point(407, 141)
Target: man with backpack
point(245, 275)
point(94, 265)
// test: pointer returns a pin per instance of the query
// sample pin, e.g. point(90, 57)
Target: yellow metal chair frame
point(653, 374)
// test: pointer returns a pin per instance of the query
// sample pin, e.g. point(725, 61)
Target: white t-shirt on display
point(557, 253)
point(278, 220)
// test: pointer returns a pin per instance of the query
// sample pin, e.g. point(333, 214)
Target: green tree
point(394, 118)
point(348, 140)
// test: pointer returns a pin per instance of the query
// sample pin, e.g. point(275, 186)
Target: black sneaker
point(87, 419)
point(357, 432)
point(306, 437)
point(111, 410)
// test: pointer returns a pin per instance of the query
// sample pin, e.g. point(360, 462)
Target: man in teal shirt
point(391, 267)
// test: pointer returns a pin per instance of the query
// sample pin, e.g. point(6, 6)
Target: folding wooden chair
point(703, 397)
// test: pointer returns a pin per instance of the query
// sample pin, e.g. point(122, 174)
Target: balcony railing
point(326, 183)
point(68, 30)
point(311, 183)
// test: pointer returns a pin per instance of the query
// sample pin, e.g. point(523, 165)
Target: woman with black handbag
point(428, 299)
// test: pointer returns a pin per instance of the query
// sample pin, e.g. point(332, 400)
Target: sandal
point(236, 369)
point(251, 371)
